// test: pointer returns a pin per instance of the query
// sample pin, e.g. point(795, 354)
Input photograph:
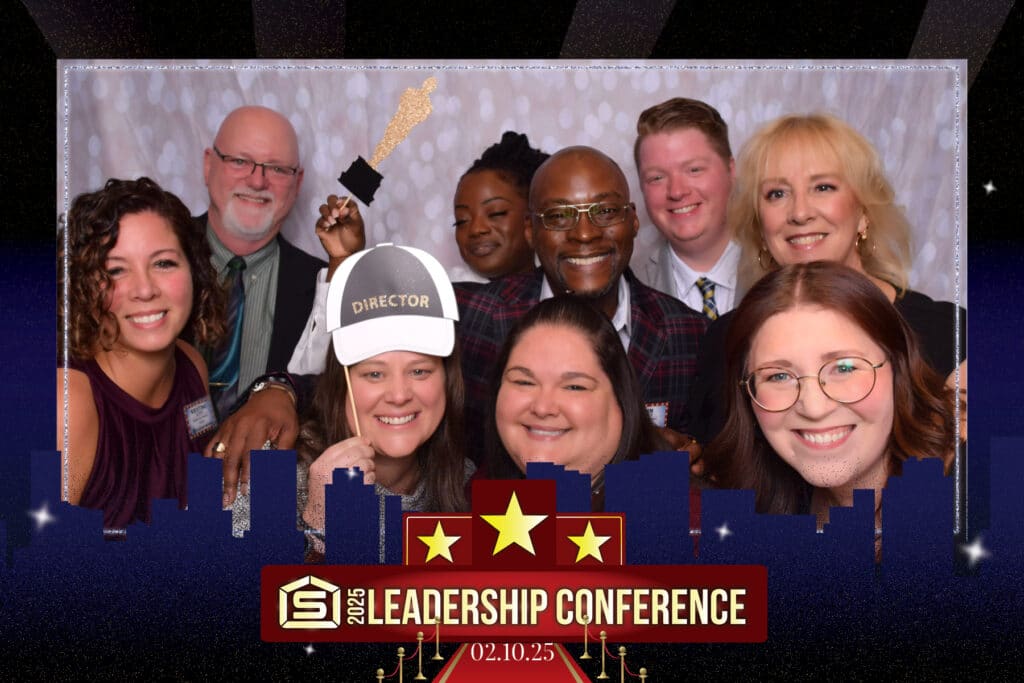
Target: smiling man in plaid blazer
point(582, 228)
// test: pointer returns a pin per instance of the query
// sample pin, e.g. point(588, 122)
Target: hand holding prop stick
point(362, 179)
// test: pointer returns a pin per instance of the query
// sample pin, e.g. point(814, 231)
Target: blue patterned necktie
point(707, 290)
point(224, 375)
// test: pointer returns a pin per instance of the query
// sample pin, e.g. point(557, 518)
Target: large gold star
point(439, 545)
point(514, 527)
point(589, 544)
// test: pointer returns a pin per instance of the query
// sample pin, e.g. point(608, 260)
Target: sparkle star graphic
point(309, 649)
point(589, 544)
point(42, 516)
point(723, 531)
point(989, 187)
point(439, 545)
point(974, 551)
point(513, 527)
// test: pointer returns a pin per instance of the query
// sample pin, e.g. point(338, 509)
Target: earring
point(760, 259)
point(862, 235)
point(862, 239)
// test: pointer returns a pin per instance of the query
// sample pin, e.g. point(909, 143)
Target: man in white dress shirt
point(686, 171)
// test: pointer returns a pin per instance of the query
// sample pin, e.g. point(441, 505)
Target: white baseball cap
point(391, 298)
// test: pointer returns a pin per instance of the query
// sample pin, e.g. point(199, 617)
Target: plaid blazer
point(662, 350)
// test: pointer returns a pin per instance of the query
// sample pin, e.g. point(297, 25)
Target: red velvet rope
point(404, 659)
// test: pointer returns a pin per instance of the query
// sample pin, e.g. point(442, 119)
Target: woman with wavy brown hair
point(827, 392)
point(138, 274)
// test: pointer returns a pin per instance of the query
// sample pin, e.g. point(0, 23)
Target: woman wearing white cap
point(391, 396)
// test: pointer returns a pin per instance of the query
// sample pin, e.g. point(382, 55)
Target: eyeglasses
point(566, 216)
point(241, 167)
point(844, 380)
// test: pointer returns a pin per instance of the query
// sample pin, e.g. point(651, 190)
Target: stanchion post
point(380, 675)
point(437, 642)
point(643, 674)
point(419, 659)
point(602, 676)
point(622, 664)
point(586, 627)
point(401, 656)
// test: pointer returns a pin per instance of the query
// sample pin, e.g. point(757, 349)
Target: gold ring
point(220, 447)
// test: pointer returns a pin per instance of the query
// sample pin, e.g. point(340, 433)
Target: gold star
point(589, 544)
point(439, 545)
point(513, 527)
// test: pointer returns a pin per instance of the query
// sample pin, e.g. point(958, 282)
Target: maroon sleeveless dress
point(141, 452)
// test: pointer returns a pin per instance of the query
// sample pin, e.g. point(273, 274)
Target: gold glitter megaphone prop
point(362, 178)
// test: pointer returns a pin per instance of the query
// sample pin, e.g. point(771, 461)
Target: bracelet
point(273, 380)
point(282, 387)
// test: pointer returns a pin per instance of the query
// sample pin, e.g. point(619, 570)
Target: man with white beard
point(253, 173)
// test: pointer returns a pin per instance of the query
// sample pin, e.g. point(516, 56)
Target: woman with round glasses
point(827, 393)
point(811, 188)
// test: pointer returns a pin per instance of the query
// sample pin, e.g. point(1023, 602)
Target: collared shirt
point(261, 269)
point(723, 274)
point(621, 319)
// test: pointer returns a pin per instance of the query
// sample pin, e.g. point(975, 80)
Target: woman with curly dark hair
point(491, 208)
point(827, 392)
point(138, 273)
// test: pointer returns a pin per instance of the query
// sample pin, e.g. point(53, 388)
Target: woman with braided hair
point(491, 208)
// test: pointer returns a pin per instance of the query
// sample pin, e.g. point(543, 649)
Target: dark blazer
point(296, 287)
point(662, 350)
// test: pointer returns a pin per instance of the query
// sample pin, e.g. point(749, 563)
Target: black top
point(932, 321)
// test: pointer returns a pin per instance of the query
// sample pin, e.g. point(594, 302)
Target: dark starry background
point(35, 33)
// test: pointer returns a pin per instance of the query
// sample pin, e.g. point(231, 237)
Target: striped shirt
point(261, 268)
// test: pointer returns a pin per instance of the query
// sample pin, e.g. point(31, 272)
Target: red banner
point(691, 603)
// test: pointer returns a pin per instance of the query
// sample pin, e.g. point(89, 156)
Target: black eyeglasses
point(566, 216)
point(844, 380)
point(241, 167)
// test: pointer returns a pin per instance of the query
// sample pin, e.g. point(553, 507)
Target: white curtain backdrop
point(128, 119)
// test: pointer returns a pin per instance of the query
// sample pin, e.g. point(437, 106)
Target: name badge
point(199, 417)
point(658, 413)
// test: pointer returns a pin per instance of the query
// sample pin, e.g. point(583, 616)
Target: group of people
point(773, 337)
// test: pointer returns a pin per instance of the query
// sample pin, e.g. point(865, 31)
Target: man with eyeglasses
point(582, 228)
point(253, 173)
